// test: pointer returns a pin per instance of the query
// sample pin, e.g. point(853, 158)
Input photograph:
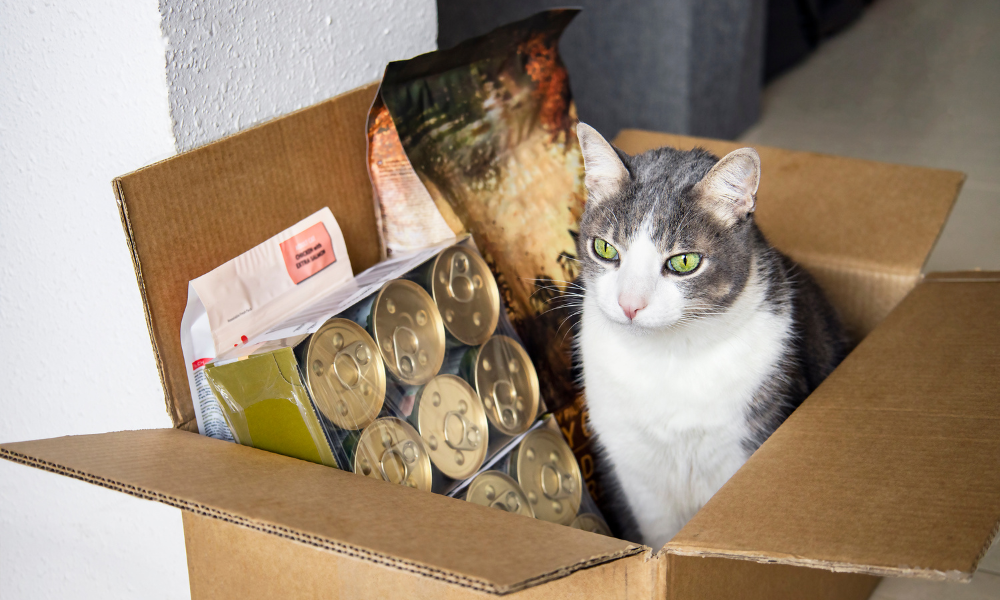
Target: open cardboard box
point(889, 469)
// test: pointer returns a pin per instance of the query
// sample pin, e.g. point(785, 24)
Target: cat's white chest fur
point(670, 408)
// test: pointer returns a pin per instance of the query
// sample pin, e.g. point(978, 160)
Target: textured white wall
point(230, 66)
point(88, 91)
point(83, 98)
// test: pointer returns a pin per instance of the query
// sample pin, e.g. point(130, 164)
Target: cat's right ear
point(605, 173)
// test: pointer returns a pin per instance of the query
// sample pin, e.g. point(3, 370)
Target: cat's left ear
point(730, 188)
point(605, 173)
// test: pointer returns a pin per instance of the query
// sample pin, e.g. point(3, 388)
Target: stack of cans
point(421, 383)
point(539, 477)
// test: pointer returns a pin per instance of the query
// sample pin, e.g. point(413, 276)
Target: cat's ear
point(729, 190)
point(605, 173)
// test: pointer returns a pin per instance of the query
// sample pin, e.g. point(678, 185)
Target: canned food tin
point(466, 294)
point(497, 490)
point(452, 422)
point(506, 381)
point(592, 523)
point(407, 327)
point(345, 374)
point(391, 450)
point(546, 469)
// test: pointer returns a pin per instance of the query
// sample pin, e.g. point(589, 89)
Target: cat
point(697, 338)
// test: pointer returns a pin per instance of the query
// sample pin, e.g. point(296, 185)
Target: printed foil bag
point(481, 138)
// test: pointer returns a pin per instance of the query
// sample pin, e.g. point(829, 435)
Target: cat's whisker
point(567, 304)
point(572, 325)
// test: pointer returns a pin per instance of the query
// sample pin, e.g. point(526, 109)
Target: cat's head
point(666, 236)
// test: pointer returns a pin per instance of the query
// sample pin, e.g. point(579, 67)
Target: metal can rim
point(534, 389)
point(494, 295)
point(435, 316)
point(381, 383)
point(483, 423)
point(576, 499)
point(601, 523)
point(506, 479)
point(425, 480)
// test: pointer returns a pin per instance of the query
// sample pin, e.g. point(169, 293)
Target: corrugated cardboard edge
point(188, 424)
point(835, 566)
point(321, 542)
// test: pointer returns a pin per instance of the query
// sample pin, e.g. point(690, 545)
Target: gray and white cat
point(697, 338)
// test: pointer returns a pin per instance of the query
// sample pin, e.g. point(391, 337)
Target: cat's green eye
point(684, 263)
point(605, 250)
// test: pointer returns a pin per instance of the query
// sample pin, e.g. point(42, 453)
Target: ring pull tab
point(403, 453)
point(460, 285)
point(504, 396)
point(471, 437)
point(405, 350)
point(510, 503)
point(552, 476)
point(348, 360)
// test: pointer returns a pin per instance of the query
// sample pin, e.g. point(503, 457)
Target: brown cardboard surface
point(703, 578)
point(228, 561)
point(189, 214)
point(863, 229)
point(892, 466)
point(390, 527)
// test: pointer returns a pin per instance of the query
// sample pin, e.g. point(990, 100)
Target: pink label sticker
point(308, 253)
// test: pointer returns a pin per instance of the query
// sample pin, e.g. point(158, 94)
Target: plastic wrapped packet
point(376, 375)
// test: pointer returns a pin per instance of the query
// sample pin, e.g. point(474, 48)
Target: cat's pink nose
point(631, 306)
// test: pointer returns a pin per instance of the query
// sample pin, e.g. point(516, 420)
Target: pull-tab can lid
point(592, 523)
point(345, 374)
point(498, 490)
point(391, 450)
point(452, 423)
point(546, 469)
point(408, 330)
point(507, 383)
point(466, 295)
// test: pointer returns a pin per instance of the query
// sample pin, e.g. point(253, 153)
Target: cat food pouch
point(481, 138)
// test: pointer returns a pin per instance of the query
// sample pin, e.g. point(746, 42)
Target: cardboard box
point(888, 469)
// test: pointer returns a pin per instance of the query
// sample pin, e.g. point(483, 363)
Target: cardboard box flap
point(864, 229)
point(892, 466)
point(391, 525)
point(191, 213)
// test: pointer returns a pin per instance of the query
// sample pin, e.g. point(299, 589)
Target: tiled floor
point(914, 82)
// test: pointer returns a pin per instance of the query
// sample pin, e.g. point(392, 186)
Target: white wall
point(83, 97)
point(88, 91)
point(229, 67)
